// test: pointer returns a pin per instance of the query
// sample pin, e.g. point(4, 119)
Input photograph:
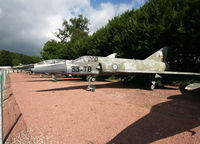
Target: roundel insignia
point(114, 66)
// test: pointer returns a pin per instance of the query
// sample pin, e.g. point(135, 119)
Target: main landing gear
point(30, 73)
point(53, 78)
point(41, 75)
point(153, 84)
point(153, 79)
point(90, 87)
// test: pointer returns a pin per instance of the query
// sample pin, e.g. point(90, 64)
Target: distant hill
point(12, 59)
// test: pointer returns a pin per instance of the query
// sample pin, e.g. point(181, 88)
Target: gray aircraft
point(154, 65)
point(193, 87)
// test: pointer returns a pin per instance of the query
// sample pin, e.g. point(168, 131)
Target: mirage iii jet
point(49, 63)
point(91, 66)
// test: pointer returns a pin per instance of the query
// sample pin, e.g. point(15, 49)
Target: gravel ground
point(64, 112)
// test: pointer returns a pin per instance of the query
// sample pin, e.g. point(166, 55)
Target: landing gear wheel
point(41, 76)
point(91, 88)
point(93, 79)
point(152, 87)
point(90, 77)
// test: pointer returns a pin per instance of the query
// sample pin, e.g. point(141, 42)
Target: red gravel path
point(64, 112)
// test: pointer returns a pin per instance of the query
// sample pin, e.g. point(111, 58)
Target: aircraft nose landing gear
point(90, 87)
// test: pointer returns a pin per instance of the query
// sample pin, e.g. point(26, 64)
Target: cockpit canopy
point(85, 59)
point(53, 61)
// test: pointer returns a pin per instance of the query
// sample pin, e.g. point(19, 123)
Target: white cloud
point(100, 17)
point(54, 21)
point(124, 7)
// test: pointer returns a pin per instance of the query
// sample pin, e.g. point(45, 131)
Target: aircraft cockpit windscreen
point(40, 63)
point(50, 61)
point(79, 60)
point(59, 60)
point(85, 59)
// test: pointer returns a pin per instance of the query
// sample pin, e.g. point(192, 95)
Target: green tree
point(12, 59)
point(75, 26)
point(16, 62)
point(52, 50)
point(5, 58)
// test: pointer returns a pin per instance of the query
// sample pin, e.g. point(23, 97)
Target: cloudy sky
point(25, 25)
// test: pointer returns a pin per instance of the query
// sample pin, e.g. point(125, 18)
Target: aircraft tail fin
point(112, 55)
point(160, 55)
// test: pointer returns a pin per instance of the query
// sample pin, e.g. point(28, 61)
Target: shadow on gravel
point(181, 114)
point(98, 86)
point(109, 85)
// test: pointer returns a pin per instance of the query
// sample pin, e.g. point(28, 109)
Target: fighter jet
point(154, 65)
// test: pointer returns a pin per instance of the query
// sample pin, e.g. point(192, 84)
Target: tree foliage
point(52, 50)
point(12, 59)
point(74, 27)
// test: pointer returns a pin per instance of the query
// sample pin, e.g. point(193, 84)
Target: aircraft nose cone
point(187, 88)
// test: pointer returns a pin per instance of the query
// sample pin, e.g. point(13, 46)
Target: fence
point(3, 75)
